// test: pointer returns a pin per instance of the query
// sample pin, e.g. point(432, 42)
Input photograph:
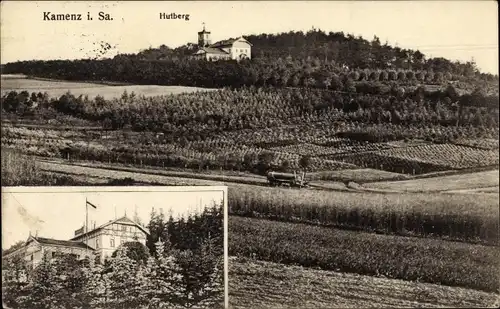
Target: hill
point(313, 59)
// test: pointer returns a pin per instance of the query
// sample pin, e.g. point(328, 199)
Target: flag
point(89, 203)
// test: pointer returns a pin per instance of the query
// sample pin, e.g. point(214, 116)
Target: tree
point(264, 161)
point(349, 85)
point(285, 165)
point(13, 248)
point(43, 287)
point(126, 282)
point(14, 281)
point(305, 162)
point(202, 274)
point(135, 251)
point(164, 278)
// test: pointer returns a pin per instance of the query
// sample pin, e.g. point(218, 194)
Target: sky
point(58, 212)
point(457, 30)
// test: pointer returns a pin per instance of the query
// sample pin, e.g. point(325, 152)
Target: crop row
point(226, 155)
point(427, 260)
point(391, 164)
point(423, 159)
point(227, 152)
point(452, 156)
point(317, 150)
point(458, 217)
point(483, 143)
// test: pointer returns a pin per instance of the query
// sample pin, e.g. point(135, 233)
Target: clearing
point(258, 284)
point(58, 88)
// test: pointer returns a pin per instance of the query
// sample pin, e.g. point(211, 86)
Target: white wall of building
point(240, 48)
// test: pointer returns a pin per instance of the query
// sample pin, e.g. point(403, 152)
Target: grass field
point(58, 88)
point(357, 175)
point(259, 284)
point(443, 183)
point(462, 217)
point(21, 170)
point(408, 258)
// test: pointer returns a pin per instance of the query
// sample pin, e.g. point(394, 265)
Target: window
point(31, 257)
point(112, 242)
point(97, 243)
point(124, 228)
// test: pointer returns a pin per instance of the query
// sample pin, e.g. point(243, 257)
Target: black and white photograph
point(82, 247)
point(358, 142)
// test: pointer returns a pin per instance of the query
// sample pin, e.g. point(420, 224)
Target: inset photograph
point(119, 247)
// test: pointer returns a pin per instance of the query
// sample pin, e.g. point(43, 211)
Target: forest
point(197, 115)
point(295, 59)
point(250, 128)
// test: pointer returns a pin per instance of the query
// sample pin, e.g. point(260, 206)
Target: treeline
point(172, 276)
point(309, 73)
point(201, 114)
point(345, 50)
point(312, 59)
point(188, 233)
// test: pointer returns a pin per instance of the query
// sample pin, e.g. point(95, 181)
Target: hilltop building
point(235, 49)
point(99, 242)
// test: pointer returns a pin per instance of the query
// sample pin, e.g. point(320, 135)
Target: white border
point(84, 189)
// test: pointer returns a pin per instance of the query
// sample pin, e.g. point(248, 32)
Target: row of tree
point(249, 108)
point(172, 276)
point(257, 72)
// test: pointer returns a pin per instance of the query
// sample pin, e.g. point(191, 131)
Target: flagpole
point(86, 223)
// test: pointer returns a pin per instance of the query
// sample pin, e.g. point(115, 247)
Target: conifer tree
point(125, 287)
point(163, 278)
point(43, 289)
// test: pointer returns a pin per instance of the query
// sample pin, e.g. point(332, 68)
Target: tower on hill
point(204, 38)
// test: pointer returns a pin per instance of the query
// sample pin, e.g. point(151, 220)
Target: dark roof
point(65, 243)
point(228, 42)
point(223, 43)
point(210, 50)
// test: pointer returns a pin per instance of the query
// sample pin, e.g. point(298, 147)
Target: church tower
point(204, 38)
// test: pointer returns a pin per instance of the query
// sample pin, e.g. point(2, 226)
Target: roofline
point(218, 44)
point(59, 245)
point(242, 38)
point(204, 51)
point(10, 253)
point(111, 222)
point(41, 243)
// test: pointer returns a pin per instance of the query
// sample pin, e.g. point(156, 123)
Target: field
point(458, 216)
point(58, 88)
point(396, 192)
point(423, 159)
point(259, 284)
point(469, 181)
point(408, 258)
